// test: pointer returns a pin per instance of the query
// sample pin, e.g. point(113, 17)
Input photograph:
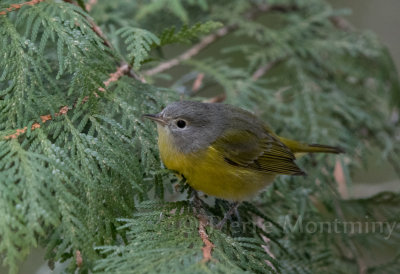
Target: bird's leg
point(228, 214)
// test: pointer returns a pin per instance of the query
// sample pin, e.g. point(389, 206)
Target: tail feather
point(324, 148)
point(297, 147)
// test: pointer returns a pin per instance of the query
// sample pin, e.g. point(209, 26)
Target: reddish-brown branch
point(122, 70)
point(44, 119)
point(14, 7)
point(198, 82)
point(203, 222)
point(190, 52)
point(208, 245)
point(264, 69)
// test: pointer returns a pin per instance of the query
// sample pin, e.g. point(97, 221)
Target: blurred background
point(381, 17)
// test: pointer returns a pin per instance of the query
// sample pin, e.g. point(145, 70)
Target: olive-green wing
point(269, 155)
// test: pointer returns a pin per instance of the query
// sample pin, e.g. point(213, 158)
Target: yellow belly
point(208, 172)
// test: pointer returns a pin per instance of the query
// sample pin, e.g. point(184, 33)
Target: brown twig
point(15, 7)
point(121, 71)
point(203, 222)
point(190, 52)
point(198, 82)
point(44, 118)
point(208, 245)
point(264, 69)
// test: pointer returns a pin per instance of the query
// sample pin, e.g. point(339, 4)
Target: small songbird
point(225, 151)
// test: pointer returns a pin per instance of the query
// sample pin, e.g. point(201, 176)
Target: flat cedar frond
point(139, 43)
point(175, 7)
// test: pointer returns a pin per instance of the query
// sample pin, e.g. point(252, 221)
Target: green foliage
point(175, 7)
point(83, 172)
point(186, 34)
point(139, 43)
point(164, 238)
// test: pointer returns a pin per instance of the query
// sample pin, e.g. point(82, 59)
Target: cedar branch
point(96, 29)
point(262, 70)
point(122, 70)
point(208, 245)
point(191, 52)
point(15, 7)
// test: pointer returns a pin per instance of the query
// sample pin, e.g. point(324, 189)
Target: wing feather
point(267, 154)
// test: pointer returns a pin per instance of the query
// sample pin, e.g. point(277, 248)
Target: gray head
point(195, 125)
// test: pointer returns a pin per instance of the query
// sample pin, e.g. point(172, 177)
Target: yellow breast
point(208, 172)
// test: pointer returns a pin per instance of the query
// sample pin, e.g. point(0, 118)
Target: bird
point(225, 151)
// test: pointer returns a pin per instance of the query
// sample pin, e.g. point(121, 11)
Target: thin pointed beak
point(155, 117)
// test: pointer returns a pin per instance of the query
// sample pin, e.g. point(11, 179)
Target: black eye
point(181, 123)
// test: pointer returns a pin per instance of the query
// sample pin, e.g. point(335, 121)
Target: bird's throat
point(171, 156)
